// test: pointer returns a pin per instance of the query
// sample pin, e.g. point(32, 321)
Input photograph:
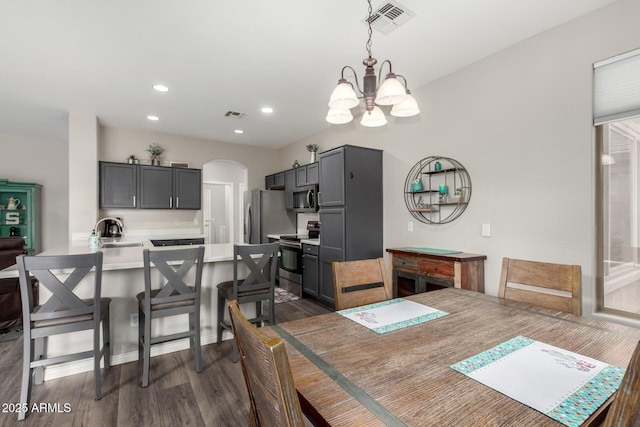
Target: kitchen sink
point(121, 245)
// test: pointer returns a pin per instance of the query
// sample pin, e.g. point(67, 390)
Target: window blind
point(616, 88)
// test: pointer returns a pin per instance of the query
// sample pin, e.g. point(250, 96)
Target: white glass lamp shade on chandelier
point(390, 92)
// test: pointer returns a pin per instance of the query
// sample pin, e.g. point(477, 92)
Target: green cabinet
point(20, 216)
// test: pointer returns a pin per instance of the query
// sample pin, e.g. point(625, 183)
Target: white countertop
point(128, 257)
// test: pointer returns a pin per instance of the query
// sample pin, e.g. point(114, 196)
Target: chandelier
point(390, 92)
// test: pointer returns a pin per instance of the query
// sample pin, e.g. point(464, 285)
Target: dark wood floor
point(176, 396)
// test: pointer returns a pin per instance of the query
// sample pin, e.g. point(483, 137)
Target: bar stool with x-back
point(174, 297)
point(258, 286)
point(62, 313)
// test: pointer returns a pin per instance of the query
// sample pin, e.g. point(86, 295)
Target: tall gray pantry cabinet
point(350, 209)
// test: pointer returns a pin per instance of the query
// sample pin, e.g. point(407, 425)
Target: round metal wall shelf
point(437, 190)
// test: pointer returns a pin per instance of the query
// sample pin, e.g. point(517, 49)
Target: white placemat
point(566, 386)
point(391, 315)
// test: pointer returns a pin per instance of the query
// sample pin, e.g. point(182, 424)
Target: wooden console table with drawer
point(416, 270)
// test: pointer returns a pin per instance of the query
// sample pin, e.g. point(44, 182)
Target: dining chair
point(257, 287)
point(361, 282)
point(63, 312)
point(272, 394)
point(625, 408)
point(555, 286)
point(180, 278)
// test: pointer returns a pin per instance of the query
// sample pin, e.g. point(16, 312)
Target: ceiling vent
point(389, 16)
point(234, 114)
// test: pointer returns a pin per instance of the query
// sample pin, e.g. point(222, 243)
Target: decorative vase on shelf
point(313, 149)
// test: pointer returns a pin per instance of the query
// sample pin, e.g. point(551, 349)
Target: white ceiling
point(102, 57)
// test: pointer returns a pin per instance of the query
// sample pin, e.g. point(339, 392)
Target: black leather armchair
point(10, 301)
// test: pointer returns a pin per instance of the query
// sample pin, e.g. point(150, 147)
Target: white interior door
point(218, 212)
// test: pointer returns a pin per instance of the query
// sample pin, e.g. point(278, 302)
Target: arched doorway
point(224, 183)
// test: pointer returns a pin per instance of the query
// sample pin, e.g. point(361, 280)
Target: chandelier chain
point(370, 31)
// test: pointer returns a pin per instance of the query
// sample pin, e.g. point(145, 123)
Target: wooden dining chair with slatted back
point(180, 278)
point(361, 282)
point(261, 260)
point(554, 286)
point(625, 408)
point(272, 394)
point(68, 279)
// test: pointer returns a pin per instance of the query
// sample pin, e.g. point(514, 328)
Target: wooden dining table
point(348, 375)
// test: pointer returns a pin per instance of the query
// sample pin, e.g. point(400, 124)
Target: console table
point(416, 270)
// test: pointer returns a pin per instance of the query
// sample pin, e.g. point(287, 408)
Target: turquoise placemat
point(433, 251)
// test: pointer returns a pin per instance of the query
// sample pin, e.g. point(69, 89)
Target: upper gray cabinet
point(289, 186)
point(149, 187)
point(307, 175)
point(118, 185)
point(156, 187)
point(187, 188)
point(274, 181)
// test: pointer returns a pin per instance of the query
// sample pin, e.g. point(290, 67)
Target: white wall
point(520, 121)
point(83, 171)
point(42, 161)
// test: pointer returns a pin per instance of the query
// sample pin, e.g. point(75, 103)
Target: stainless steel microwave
point(305, 199)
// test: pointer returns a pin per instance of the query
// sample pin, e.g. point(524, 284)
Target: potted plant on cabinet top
point(156, 151)
point(313, 149)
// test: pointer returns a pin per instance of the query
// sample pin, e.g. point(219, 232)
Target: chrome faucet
point(120, 224)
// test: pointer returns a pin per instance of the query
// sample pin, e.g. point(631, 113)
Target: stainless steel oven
point(290, 264)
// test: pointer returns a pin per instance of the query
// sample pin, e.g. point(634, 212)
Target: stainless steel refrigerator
point(264, 214)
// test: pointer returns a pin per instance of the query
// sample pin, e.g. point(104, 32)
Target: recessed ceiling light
point(238, 131)
point(153, 118)
point(160, 88)
point(267, 110)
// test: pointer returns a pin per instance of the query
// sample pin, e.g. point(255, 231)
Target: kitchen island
point(122, 279)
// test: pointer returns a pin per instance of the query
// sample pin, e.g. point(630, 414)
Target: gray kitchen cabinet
point(289, 186)
point(188, 242)
point(125, 185)
point(350, 210)
point(274, 181)
point(307, 175)
point(313, 173)
point(155, 190)
point(178, 242)
point(187, 188)
point(310, 273)
point(269, 181)
point(118, 185)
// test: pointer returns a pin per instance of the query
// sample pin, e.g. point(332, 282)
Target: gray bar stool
point(174, 297)
point(258, 286)
point(62, 313)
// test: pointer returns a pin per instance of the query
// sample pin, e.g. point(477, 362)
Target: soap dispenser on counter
point(94, 242)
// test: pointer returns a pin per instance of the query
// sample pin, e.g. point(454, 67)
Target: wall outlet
point(134, 320)
point(409, 226)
